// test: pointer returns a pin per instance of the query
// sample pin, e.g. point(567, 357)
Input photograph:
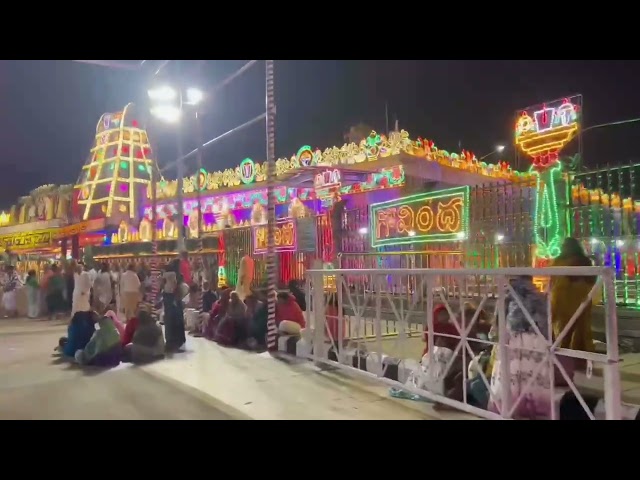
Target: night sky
point(49, 109)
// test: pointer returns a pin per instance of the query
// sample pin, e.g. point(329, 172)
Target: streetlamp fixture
point(167, 106)
point(498, 149)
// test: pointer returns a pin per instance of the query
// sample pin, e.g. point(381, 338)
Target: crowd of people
point(527, 342)
point(112, 320)
point(115, 303)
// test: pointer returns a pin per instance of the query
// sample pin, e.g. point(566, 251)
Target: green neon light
point(305, 149)
point(247, 171)
point(434, 234)
point(546, 221)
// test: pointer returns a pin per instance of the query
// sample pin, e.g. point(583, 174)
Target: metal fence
point(362, 343)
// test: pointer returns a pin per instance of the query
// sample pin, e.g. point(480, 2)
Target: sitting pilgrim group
point(530, 326)
point(232, 318)
point(238, 317)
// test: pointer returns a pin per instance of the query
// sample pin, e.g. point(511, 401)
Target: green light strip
point(546, 222)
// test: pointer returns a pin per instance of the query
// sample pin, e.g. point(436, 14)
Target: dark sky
point(49, 109)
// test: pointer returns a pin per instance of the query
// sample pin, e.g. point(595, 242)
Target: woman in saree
point(79, 333)
point(116, 321)
point(218, 311)
point(147, 343)
point(55, 293)
point(567, 293)
point(104, 349)
point(526, 351)
point(233, 329)
point(172, 295)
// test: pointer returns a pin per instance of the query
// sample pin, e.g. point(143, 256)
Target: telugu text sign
point(426, 217)
point(27, 240)
point(284, 237)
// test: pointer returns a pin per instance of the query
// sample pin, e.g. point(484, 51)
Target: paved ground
point(206, 382)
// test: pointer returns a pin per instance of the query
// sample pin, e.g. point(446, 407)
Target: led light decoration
point(541, 133)
point(247, 171)
point(305, 156)
point(426, 217)
point(371, 149)
point(546, 218)
point(117, 172)
point(284, 236)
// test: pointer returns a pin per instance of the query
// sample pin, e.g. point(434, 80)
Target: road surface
point(206, 382)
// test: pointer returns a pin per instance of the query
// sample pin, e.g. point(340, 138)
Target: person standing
point(172, 295)
point(9, 299)
point(115, 281)
point(33, 295)
point(185, 268)
point(567, 294)
point(81, 291)
point(55, 293)
point(70, 269)
point(44, 283)
point(102, 289)
point(130, 291)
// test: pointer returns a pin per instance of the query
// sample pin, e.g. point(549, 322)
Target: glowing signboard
point(327, 179)
point(28, 240)
point(542, 131)
point(284, 237)
point(426, 217)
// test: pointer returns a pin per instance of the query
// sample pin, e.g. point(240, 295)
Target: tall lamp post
point(270, 106)
point(167, 105)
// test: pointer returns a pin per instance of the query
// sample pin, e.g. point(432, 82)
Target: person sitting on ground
point(525, 349)
point(289, 317)
point(209, 297)
point(193, 300)
point(116, 321)
point(129, 331)
point(441, 324)
point(104, 349)
point(147, 344)
point(436, 376)
point(192, 314)
point(79, 333)
point(233, 329)
point(296, 291)
point(217, 313)
point(258, 325)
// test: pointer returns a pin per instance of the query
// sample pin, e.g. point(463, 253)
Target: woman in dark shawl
point(173, 311)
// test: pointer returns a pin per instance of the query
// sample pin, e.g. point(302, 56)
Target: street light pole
point(180, 181)
point(270, 104)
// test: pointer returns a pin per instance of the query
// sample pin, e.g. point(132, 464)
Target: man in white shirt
point(130, 291)
point(81, 292)
point(93, 274)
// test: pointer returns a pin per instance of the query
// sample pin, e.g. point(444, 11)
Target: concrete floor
point(206, 382)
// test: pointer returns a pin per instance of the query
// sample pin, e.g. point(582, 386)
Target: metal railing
point(365, 322)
